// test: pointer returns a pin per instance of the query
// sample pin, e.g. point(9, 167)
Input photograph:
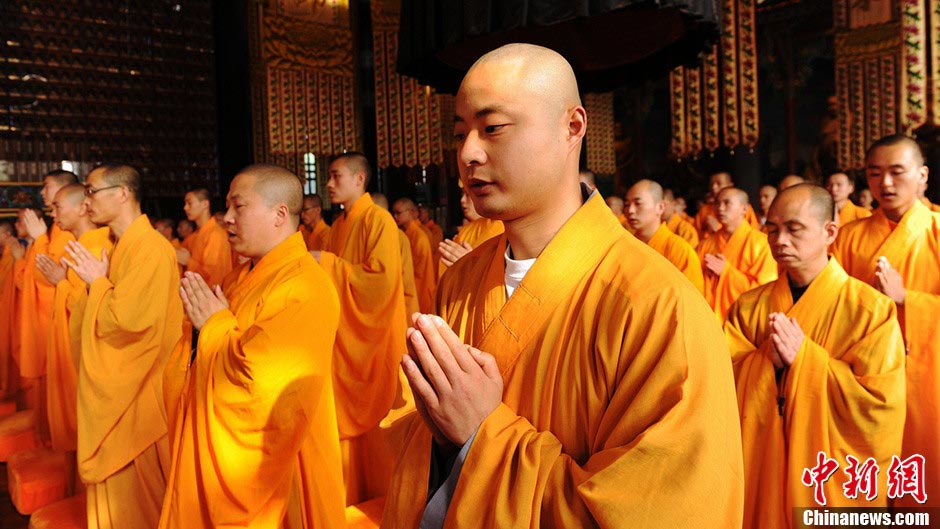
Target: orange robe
point(133, 320)
point(9, 311)
point(436, 235)
point(683, 229)
point(363, 259)
point(64, 347)
point(36, 302)
point(476, 233)
point(679, 253)
point(843, 394)
point(210, 253)
point(408, 277)
point(748, 264)
point(913, 249)
point(850, 212)
point(423, 261)
point(601, 422)
point(254, 435)
point(750, 217)
point(316, 239)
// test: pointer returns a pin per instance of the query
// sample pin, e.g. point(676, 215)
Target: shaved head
point(278, 186)
point(62, 177)
point(898, 139)
point(547, 74)
point(121, 175)
point(615, 204)
point(313, 201)
point(201, 194)
point(719, 181)
point(653, 188)
point(73, 193)
point(380, 200)
point(406, 203)
point(6, 228)
point(800, 228)
point(821, 204)
point(790, 181)
point(737, 194)
point(405, 211)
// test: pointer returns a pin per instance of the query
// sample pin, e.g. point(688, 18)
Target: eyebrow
point(483, 112)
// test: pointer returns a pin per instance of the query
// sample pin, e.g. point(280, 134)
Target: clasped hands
point(456, 386)
point(199, 300)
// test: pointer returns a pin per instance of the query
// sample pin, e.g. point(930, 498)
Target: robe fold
point(843, 394)
point(435, 235)
point(748, 264)
point(64, 347)
point(423, 263)
point(408, 278)
point(913, 249)
point(36, 302)
point(476, 233)
point(254, 434)
point(9, 309)
point(850, 212)
point(133, 319)
point(601, 421)
point(210, 253)
point(683, 229)
point(363, 259)
point(679, 253)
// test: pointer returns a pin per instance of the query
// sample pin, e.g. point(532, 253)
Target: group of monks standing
point(546, 367)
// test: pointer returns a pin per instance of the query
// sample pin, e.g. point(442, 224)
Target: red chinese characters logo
point(862, 478)
point(903, 477)
point(818, 475)
point(907, 477)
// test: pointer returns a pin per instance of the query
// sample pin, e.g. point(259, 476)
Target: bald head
point(405, 211)
point(164, 227)
point(277, 186)
point(380, 200)
point(719, 181)
point(800, 227)
point(654, 190)
point(790, 180)
point(615, 204)
point(120, 175)
point(821, 205)
point(731, 206)
point(899, 139)
point(200, 193)
point(645, 208)
point(765, 197)
point(545, 72)
point(73, 193)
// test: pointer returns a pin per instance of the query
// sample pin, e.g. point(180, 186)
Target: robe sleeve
point(763, 269)
point(261, 386)
point(214, 261)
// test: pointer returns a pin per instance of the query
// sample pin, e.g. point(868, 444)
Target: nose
point(470, 151)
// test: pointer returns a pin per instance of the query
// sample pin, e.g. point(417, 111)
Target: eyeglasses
point(91, 191)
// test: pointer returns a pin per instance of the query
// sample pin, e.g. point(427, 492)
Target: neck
point(530, 234)
point(803, 275)
point(204, 218)
point(124, 219)
point(895, 215)
point(349, 203)
point(645, 233)
point(841, 204)
point(730, 228)
point(83, 228)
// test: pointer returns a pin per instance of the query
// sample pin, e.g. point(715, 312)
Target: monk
point(789, 181)
point(474, 232)
point(894, 251)
point(209, 253)
point(922, 196)
point(10, 298)
point(866, 199)
point(549, 431)
point(315, 230)
point(675, 222)
point(645, 206)
point(435, 233)
point(63, 349)
point(8, 308)
point(405, 213)
point(407, 264)
point(363, 259)
point(840, 186)
point(37, 296)
point(254, 438)
point(133, 319)
point(681, 208)
point(819, 367)
point(165, 228)
point(185, 228)
point(706, 220)
point(765, 196)
point(616, 205)
point(738, 258)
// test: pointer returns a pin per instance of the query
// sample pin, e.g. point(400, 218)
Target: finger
point(220, 295)
point(487, 362)
point(423, 356)
point(467, 246)
point(68, 263)
point(440, 348)
point(458, 348)
point(419, 385)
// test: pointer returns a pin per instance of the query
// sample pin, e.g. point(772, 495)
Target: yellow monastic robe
point(64, 347)
point(36, 302)
point(748, 264)
point(211, 253)
point(408, 277)
point(913, 249)
point(476, 233)
point(133, 319)
point(363, 259)
point(843, 394)
point(436, 235)
point(254, 435)
point(423, 261)
point(316, 239)
point(9, 307)
point(683, 229)
point(622, 219)
point(602, 420)
point(679, 253)
point(750, 217)
point(850, 212)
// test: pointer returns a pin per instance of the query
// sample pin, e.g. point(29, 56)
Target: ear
point(281, 215)
point(832, 230)
point(660, 208)
point(577, 125)
point(923, 174)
